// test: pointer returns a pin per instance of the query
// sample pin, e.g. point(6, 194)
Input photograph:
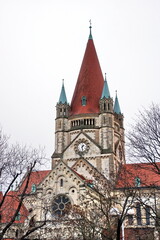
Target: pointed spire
point(105, 92)
point(89, 83)
point(116, 105)
point(62, 98)
point(90, 35)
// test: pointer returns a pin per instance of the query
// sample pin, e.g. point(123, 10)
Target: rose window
point(61, 205)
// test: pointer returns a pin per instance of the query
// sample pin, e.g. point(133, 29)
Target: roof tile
point(146, 172)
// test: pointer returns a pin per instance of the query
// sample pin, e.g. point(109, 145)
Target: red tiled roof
point(10, 206)
point(12, 199)
point(35, 178)
point(145, 172)
point(89, 84)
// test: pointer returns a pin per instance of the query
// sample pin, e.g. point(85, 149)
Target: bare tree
point(144, 137)
point(103, 211)
point(144, 147)
point(15, 163)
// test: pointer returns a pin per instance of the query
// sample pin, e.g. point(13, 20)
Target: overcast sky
point(43, 41)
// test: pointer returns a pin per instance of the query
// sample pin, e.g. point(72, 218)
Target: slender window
point(120, 153)
point(147, 215)
point(16, 234)
point(61, 182)
point(84, 101)
point(139, 216)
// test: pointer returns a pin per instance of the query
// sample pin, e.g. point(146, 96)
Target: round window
point(61, 205)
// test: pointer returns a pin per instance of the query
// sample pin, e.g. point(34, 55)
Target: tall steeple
point(105, 92)
point(116, 105)
point(90, 82)
point(62, 98)
point(89, 130)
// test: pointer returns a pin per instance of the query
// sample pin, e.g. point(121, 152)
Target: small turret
point(63, 98)
point(116, 105)
point(106, 102)
point(117, 111)
point(105, 92)
point(61, 124)
point(62, 105)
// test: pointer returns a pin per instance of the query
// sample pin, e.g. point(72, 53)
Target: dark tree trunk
point(119, 230)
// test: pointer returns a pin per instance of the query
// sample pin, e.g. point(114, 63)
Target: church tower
point(89, 133)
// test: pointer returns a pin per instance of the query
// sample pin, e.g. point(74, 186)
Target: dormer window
point(18, 217)
point(137, 182)
point(33, 189)
point(84, 101)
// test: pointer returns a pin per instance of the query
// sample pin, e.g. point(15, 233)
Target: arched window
point(120, 153)
point(16, 234)
point(148, 215)
point(138, 213)
point(60, 111)
point(61, 182)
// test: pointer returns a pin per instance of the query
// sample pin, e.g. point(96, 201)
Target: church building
point(89, 145)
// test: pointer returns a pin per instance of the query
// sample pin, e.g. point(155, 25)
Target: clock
point(82, 147)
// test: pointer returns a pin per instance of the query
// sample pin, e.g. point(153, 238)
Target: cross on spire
point(90, 35)
point(105, 77)
point(90, 23)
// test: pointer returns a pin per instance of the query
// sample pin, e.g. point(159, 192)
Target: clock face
point(82, 147)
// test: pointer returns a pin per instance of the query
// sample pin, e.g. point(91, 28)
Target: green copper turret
point(62, 98)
